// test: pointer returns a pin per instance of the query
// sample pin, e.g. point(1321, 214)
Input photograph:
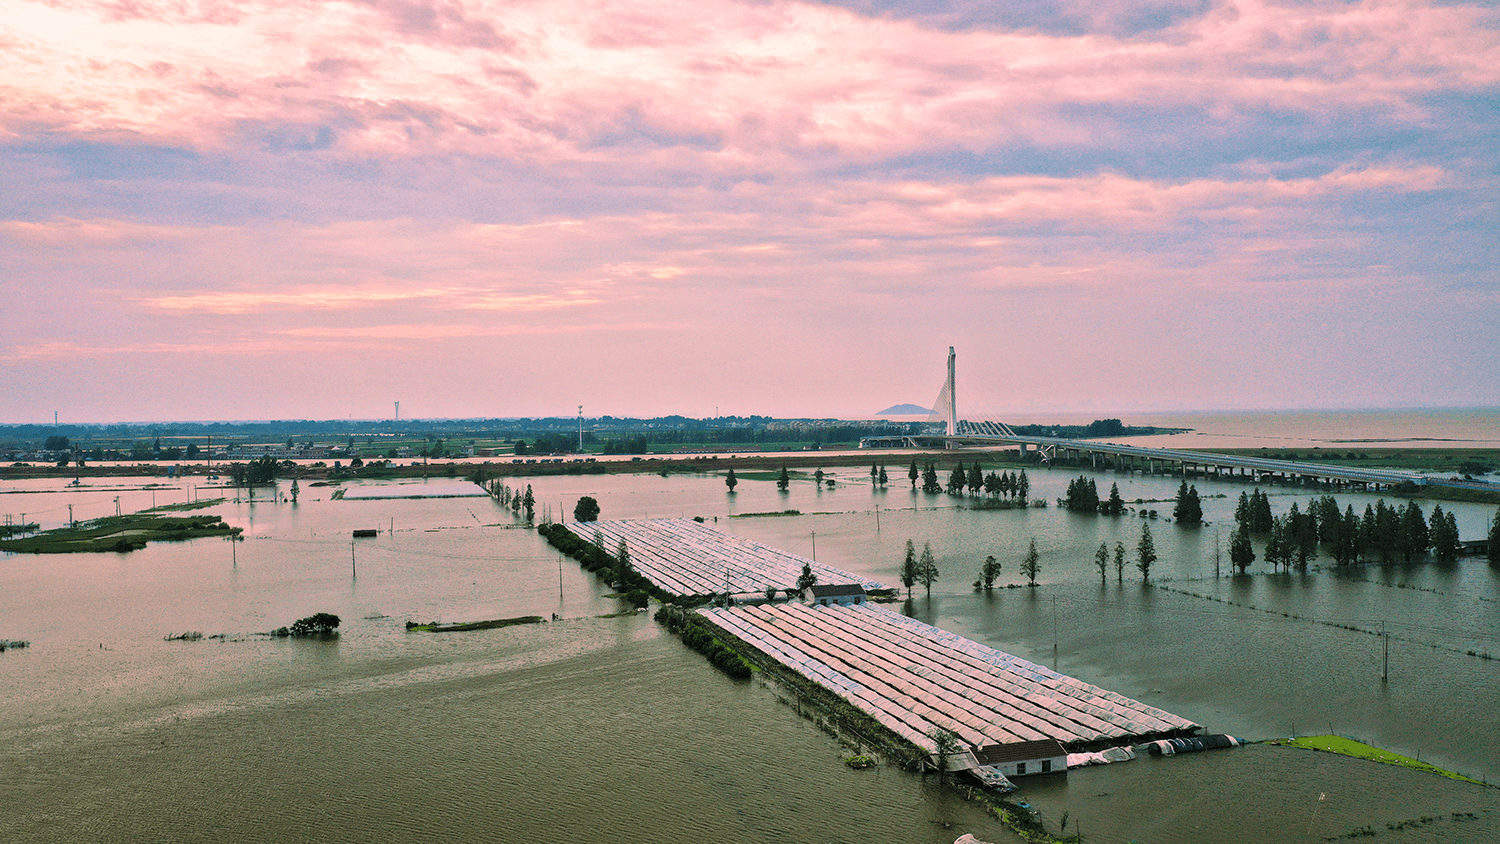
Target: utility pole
point(815, 546)
point(580, 429)
point(353, 570)
point(1054, 633)
point(70, 515)
point(1385, 654)
point(1216, 553)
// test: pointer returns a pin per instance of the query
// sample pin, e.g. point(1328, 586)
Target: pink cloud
point(762, 86)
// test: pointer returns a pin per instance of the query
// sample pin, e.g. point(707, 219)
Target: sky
point(312, 210)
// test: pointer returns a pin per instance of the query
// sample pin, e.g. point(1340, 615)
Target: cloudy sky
point(248, 210)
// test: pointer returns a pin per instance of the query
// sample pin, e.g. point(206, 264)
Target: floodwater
point(591, 728)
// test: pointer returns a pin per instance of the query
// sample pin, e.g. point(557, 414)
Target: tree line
point(1383, 533)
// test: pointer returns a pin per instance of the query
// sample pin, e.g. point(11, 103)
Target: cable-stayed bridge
point(958, 432)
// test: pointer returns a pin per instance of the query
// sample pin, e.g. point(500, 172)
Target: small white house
point(1024, 758)
point(847, 595)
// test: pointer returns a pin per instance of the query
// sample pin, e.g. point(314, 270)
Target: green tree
point(622, 561)
point(1145, 552)
point(807, 579)
point(1032, 565)
point(1115, 505)
point(1278, 550)
point(730, 480)
point(783, 480)
point(1493, 550)
point(957, 480)
point(1443, 529)
point(317, 624)
point(586, 510)
point(1119, 562)
point(927, 570)
point(1241, 552)
point(1023, 487)
point(1189, 507)
point(976, 479)
point(528, 501)
point(874, 475)
point(945, 743)
point(913, 474)
point(909, 568)
point(1414, 537)
point(884, 478)
point(988, 573)
point(1101, 561)
point(930, 480)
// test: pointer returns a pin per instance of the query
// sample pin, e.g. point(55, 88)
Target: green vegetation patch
point(438, 627)
point(119, 533)
point(190, 505)
point(1360, 750)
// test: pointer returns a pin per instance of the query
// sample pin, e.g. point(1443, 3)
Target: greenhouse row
point(915, 678)
point(687, 557)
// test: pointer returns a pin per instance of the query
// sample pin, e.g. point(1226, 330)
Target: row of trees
point(1016, 487)
point(1383, 533)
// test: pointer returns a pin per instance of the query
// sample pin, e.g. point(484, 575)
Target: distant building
point(846, 595)
point(1024, 758)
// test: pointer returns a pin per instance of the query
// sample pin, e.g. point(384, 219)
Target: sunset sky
point(252, 210)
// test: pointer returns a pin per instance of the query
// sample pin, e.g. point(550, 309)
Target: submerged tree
point(1032, 565)
point(1241, 552)
point(927, 570)
point(1115, 505)
point(1119, 562)
point(1444, 532)
point(1145, 552)
point(783, 480)
point(1189, 507)
point(930, 480)
point(730, 480)
point(988, 573)
point(909, 568)
point(1101, 562)
point(913, 474)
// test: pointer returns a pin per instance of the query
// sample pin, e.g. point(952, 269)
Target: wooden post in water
point(353, 570)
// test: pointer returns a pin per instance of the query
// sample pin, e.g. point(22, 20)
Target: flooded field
point(594, 728)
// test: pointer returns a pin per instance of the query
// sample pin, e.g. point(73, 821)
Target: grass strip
point(1360, 750)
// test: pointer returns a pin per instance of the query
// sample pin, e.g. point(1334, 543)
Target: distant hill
point(904, 410)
